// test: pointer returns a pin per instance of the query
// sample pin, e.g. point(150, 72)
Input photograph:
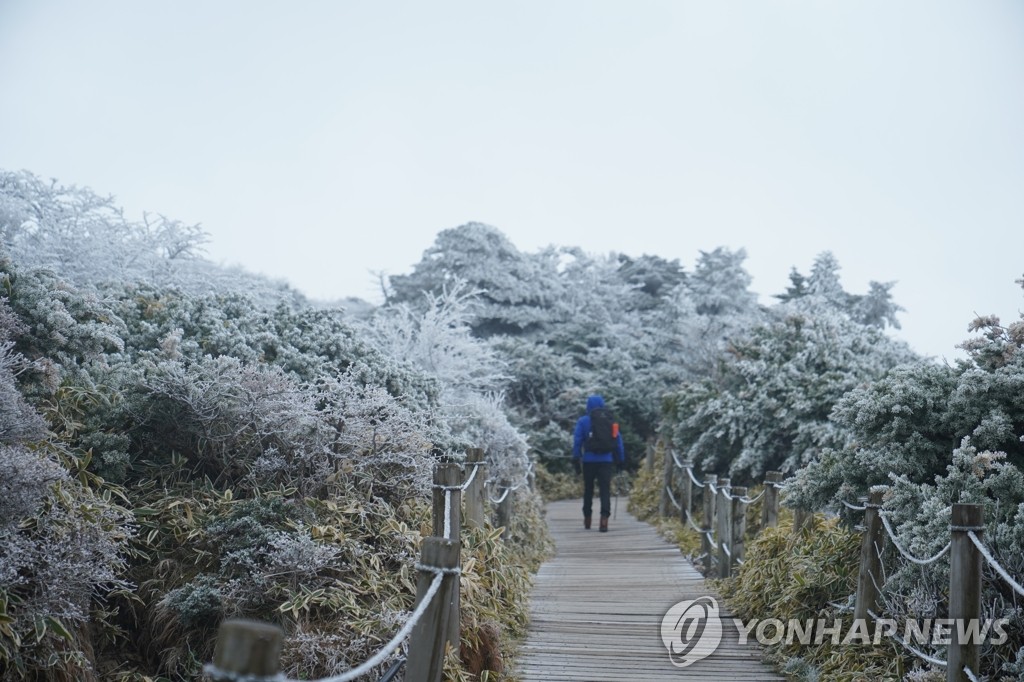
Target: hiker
point(597, 444)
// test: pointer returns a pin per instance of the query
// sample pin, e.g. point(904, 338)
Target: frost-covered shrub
point(931, 436)
point(468, 371)
point(64, 328)
point(63, 549)
point(769, 407)
point(87, 239)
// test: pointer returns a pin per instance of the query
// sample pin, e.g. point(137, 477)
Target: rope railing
point(362, 669)
point(672, 497)
point(694, 526)
point(249, 651)
point(995, 564)
point(718, 495)
point(917, 652)
point(906, 554)
point(502, 498)
point(752, 500)
point(725, 549)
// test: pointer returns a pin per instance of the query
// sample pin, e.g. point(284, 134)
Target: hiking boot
point(604, 524)
point(586, 522)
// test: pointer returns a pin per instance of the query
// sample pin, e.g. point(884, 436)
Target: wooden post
point(433, 630)
point(770, 506)
point(965, 564)
point(686, 486)
point(709, 518)
point(800, 519)
point(447, 479)
point(739, 525)
point(666, 482)
point(723, 532)
point(505, 509)
point(248, 648)
point(870, 577)
point(475, 492)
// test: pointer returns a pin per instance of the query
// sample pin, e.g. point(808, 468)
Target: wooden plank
point(596, 608)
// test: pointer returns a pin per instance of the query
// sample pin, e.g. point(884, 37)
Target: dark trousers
point(602, 472)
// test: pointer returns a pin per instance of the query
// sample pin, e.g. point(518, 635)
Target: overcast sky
point(320, 141)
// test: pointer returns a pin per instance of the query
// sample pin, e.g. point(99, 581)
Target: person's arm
point(621, 454)
point(577, 439)
point(577, 445)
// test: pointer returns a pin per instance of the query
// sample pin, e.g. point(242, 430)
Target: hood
point(594, 402)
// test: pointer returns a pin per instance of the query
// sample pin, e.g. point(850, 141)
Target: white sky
point(320, 141)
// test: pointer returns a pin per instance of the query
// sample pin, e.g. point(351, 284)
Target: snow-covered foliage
point(63, 544)
point(270, 457)
point(932, 435)
point(910, 421)
point(87, 240)
point(276, 461)
point(768, 404)
point(471, 377)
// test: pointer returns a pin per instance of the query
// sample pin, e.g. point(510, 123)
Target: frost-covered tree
point(909, 422)
point(515, 289)
point(770, 407)
point(768, 403)
point(875, 308)
point(720, 285)
point(86, 239)
point(470, 374)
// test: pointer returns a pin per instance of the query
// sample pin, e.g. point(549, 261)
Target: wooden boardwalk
point(596, 608)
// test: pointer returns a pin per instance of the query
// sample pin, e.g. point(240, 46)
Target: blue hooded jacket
point(580, 436)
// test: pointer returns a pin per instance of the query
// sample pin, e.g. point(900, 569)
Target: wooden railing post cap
point(249, 647)
point(967, 514)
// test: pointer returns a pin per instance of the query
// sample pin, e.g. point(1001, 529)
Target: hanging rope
point(920, 654)
point(371, 663)
point(500, 499)
point(907, 555)
point(673, 498)
point(995, 564)
point(689, 471)
point(751, 500)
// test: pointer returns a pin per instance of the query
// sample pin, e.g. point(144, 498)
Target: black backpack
point(603, 432)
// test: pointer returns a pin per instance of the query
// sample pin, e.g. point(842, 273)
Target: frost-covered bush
point(469, 372)
point(87, 240)
point(769, 407)
point(931, 436)
point(62, 545)
point(909, 422)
